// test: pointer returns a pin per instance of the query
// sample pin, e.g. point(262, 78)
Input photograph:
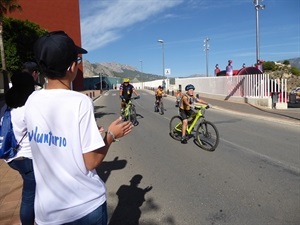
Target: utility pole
point(141, 61)
point(206, 48)
point(257, 7)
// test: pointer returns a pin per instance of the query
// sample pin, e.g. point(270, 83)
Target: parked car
point(296, 91)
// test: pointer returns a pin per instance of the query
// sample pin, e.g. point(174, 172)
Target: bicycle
point(207, 135)
point(129, 113)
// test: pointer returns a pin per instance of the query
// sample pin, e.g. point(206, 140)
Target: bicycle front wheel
point(207, 136)
point(176, 128)
point(133, 116)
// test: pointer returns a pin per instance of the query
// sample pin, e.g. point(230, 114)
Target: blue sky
point(126, 32)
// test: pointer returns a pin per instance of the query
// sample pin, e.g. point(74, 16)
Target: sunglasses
point(78, 61)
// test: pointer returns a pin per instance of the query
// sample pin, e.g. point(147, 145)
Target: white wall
point(243, 88)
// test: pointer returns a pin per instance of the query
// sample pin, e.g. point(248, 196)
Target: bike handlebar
point(202, 106)
point(132, 98)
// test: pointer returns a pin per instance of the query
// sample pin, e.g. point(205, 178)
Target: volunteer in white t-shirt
point(66, 143)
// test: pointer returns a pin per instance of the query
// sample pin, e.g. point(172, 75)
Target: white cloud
point(102, 21)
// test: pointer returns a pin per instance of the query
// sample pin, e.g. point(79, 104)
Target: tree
point(5, 7)
point(269, 65)
point(286, 62)
point(19, 45)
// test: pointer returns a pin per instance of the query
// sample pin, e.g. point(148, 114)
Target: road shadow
point(236, 88)
point(131, 198)
point(98, 113)
point(105, 168)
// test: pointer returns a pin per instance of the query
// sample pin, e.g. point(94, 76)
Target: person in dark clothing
point(126, 90)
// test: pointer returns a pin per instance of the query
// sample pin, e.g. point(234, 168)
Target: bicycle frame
point(192, 120)
point(127, 108)
point(206, 135)
point(130, 112)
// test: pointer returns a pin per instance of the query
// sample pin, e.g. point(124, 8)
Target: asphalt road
point(253, 177)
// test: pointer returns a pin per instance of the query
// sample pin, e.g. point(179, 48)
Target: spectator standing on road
point(217, 69)
point(15, 98)
point(65, 141)
point(229, 68)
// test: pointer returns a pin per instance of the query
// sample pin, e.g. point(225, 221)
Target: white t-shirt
point(19, 128)
point(61, 127)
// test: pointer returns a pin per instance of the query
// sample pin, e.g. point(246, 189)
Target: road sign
point(167, 72)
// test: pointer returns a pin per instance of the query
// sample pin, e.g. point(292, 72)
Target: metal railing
point(258, 86)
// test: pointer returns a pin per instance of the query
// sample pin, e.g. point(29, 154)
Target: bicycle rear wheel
point(162, 110)
point(207, 136)
point(176, 127)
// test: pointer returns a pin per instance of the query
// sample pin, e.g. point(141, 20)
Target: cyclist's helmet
point(229, 61)
point(189, 86)
point(126, 80)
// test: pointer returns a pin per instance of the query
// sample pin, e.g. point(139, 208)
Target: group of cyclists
point(185, 101)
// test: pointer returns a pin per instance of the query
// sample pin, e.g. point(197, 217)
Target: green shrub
point(295, 71)
point(269, 66)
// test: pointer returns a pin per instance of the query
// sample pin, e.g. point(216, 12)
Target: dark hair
point(23, 86)
point(30, 67)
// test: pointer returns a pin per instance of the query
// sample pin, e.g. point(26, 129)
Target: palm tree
point(5, 7)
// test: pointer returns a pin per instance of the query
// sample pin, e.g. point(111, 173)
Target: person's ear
point(72, 67)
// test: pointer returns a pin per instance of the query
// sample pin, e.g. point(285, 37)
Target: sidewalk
point(10, 194)
point(286, 116)
point(11, 182)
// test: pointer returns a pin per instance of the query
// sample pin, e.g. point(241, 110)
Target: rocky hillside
point(283, 72)
point(116, 70)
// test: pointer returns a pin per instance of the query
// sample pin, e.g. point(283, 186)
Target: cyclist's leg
point(184, 125)
point(123, 104)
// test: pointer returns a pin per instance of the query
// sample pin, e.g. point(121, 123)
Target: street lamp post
point(206, 45)
point(257, 7)
point(141, 61)
point(163, 59)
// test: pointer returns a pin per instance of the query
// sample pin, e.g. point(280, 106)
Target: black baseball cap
point(54, 52)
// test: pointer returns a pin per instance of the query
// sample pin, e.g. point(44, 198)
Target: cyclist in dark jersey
point(126, 90)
